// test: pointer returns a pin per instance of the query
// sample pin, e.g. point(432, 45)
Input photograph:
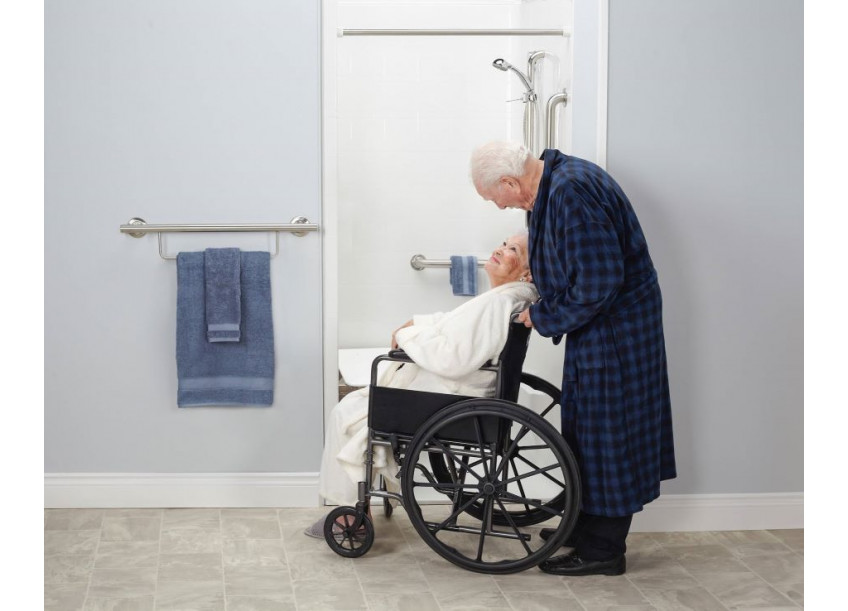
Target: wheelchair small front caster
point(348, 533)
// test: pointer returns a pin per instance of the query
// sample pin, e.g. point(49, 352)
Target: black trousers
point(600, 537)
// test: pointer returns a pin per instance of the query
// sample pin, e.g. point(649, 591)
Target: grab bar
point(138, 228)
point(419, 262)
point(553, 118)
point(341, 32)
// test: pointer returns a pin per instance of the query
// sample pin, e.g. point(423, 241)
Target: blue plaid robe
point(598, 284)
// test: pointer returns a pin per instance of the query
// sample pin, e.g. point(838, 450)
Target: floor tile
point(131, 528)
point(247, 580)
point(135, 603)
point(400, 579)
point(543, 601)
point(744, 590)
point(254, 552)
point(260, 603)
point(126, 554)
point(338, 595)
point(190, 542)
point(777, 568)
point(64, 597)
point(117, 583)
point(323, 566)
point(694, 598)
point(190, 596)
point(68, 569)
point(190, 567)
point(410, 601)
point(192, 519)
point(258, 559)
point(794, 538)
point(72, 519)
point(248, 527)
point(75, 542)
point(602, 591)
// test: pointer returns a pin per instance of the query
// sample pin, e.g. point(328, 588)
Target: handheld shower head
point(502, 64)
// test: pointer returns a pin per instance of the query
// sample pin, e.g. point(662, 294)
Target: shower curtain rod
point(436, 32)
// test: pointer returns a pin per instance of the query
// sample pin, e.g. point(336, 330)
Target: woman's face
point(508, 261)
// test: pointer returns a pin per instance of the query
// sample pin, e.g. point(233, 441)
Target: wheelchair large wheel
point(479, 439)
point(521, 514)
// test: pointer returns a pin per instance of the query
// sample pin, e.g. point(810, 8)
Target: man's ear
point(508, 181)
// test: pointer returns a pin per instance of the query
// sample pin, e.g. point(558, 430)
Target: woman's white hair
point(493, 161)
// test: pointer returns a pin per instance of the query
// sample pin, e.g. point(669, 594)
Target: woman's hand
point(524, 317)
point(408, 323)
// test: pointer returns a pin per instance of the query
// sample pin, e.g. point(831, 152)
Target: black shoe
point(573, 565)
point(547, 533)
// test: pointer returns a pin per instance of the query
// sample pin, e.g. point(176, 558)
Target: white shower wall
point(409, 112)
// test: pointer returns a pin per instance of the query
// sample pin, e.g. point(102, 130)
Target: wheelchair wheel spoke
point(517, 481)
point(459, 510)
point(523, 500)
point(549, 408)
point(513, 526)
point(541, 471)
point(479, 431)
point(487, 512)
point(508, 454)
point(467, 468)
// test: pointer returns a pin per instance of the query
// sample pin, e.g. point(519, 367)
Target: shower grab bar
point(449, 32)
point(419, 262)
point(138, 228)
point(553, 118)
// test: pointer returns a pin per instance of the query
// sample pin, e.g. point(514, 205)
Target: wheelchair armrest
point(395, 356)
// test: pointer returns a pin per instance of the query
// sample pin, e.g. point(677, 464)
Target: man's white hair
point(493, 161)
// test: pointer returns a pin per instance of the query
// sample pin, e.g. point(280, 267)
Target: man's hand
point(408, 323)
point(524, 317)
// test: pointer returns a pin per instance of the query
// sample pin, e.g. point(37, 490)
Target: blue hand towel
point(225, 373)
point(463, 275)
point(223, 294)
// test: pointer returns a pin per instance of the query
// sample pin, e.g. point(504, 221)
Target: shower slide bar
point(138, 228)
point(419, 262)
point(448, 32)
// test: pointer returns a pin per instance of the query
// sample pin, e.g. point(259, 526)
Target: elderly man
point(598, 285)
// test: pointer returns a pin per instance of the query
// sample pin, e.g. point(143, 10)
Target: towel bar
point(419, 262)
point(138, 228)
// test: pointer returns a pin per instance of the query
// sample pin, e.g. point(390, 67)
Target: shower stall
point(409, 92)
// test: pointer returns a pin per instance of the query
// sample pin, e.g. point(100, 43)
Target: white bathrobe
point(448, 350)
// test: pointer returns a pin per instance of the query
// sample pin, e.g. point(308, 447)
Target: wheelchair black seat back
point(478, 476)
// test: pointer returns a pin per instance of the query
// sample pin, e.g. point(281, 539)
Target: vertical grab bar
point(552, 117)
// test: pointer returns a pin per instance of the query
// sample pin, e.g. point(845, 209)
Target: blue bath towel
point(463, 275)
point(225, 373)
point(223, 294)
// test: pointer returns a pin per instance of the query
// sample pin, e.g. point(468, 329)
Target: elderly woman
point(448, 350)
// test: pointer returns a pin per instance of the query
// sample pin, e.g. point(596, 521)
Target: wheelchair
point(477, 475)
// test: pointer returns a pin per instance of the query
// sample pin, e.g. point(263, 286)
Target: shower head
point(502, 64)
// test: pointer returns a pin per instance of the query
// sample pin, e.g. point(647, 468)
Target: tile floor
point(259, 560)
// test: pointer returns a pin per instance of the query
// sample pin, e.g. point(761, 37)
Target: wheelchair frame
point(471, 428)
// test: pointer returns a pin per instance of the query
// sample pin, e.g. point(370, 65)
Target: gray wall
point(196, 111)
point(706, 138)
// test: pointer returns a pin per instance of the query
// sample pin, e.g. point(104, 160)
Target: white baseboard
point(699, 512)
point(181, 490)
point(669, 513)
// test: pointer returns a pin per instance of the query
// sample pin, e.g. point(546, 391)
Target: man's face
point(505, 194)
